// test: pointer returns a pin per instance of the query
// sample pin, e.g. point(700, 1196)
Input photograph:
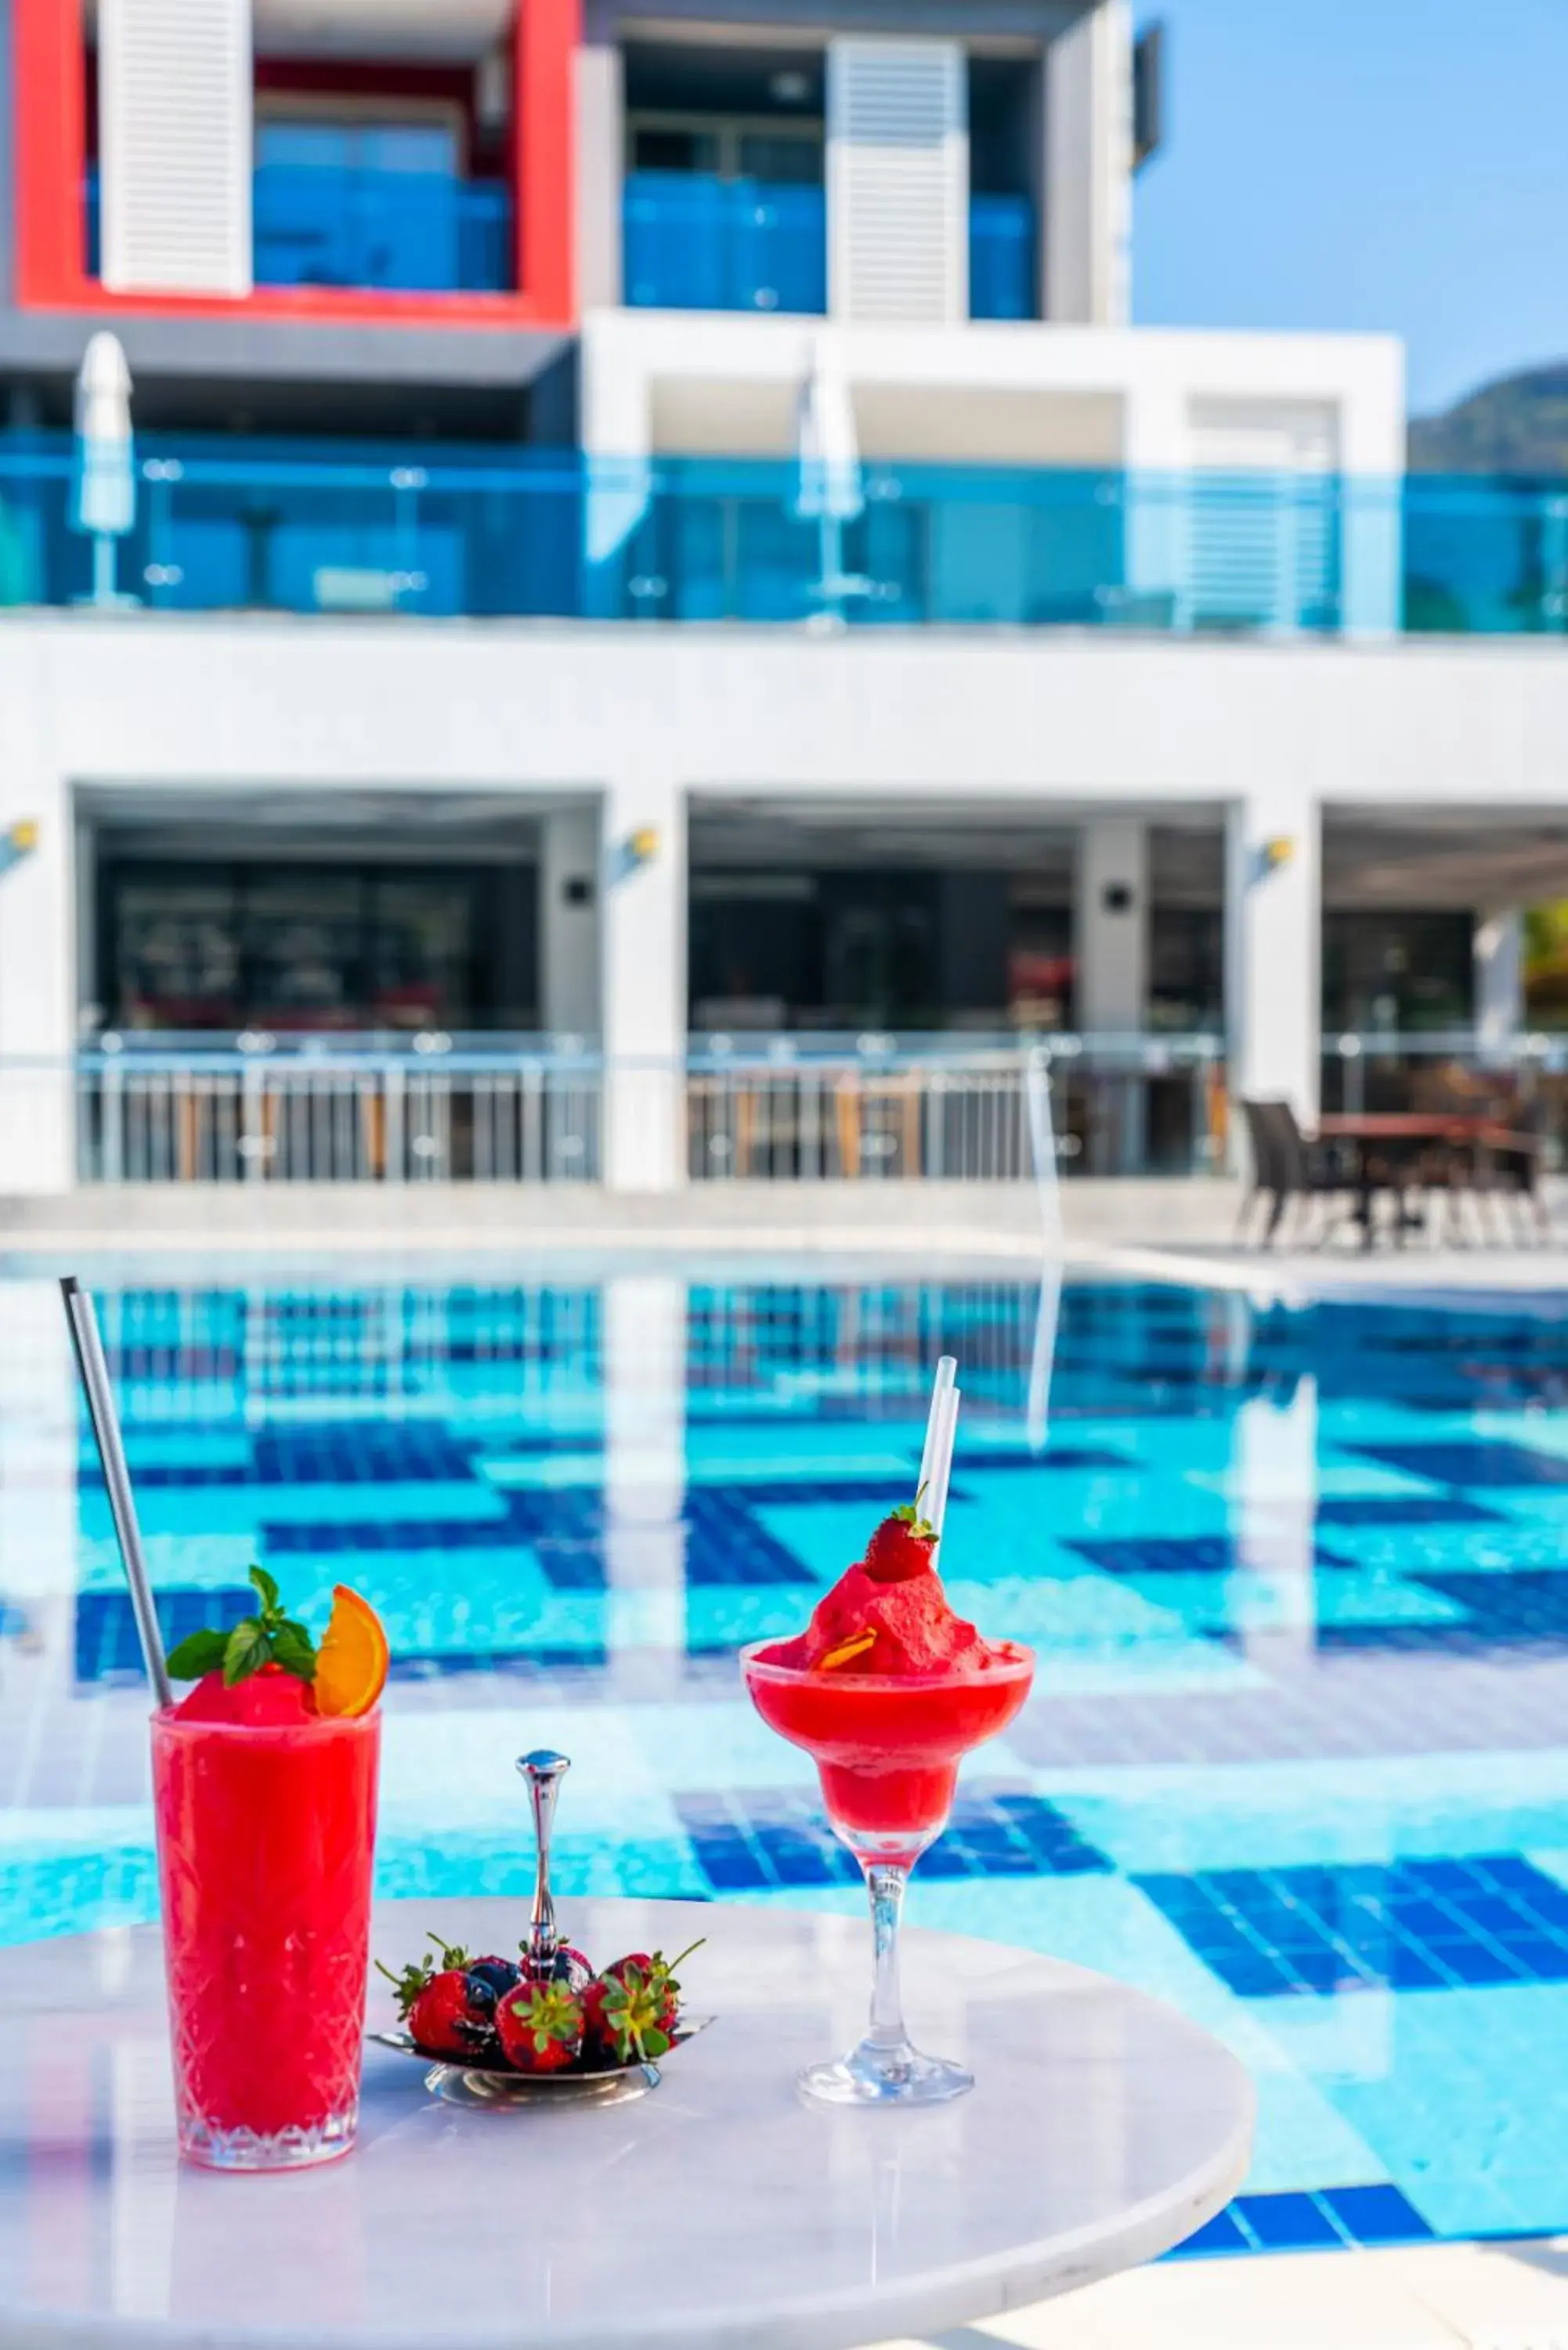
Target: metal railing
point(337, 1114)
point(882, 1109)
point(258, 1110)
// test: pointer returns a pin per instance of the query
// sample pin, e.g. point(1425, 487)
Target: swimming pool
point(1297, 1760)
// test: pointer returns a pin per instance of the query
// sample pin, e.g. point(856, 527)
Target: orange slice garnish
point(848, 1650)
point(352, 1658)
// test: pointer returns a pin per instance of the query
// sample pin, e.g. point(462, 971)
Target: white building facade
point(907, 643)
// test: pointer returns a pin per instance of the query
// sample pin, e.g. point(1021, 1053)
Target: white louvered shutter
point(1262, 518)
point(174, 136)
point(898, 181)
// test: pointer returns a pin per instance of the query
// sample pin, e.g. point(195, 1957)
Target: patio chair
point(1288, 1165)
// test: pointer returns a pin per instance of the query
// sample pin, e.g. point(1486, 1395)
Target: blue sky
point(1396, 164)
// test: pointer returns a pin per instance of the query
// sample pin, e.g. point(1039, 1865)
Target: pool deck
point(1505, 2296)
point(1149, 1229)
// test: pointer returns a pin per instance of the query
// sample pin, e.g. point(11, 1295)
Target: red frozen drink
point(265, 1804)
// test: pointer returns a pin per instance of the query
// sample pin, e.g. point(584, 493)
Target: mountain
point(1517, 425)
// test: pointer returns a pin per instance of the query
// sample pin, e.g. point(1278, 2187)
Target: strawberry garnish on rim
point(902, 1546)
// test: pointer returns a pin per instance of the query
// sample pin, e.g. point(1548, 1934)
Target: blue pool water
point(1297, 1760)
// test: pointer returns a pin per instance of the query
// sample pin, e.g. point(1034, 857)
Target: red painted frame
point(51, 148)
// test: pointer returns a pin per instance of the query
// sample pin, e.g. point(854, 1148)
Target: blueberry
point(490, 1979)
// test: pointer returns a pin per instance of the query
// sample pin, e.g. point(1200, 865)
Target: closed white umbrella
point(829, 490)
point(103, 499)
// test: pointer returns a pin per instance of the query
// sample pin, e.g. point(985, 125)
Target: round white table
point(720, 2212)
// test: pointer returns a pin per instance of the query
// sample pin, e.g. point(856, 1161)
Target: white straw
point(947, 1372)
point(936, 1507)
point(99, 1395)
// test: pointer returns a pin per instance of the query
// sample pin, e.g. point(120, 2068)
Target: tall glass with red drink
point(265, 1838)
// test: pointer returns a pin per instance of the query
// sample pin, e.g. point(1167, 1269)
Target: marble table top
point(720, 2212)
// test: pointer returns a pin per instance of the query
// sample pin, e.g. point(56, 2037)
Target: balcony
point(276, 527)
point(357, 226)
point(694, 242)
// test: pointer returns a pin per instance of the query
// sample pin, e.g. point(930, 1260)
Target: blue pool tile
point(105, 1644)
point(1287, 2223)
point(1403, 1510)
point(1375, 2215)
point(1323, 1930)
point(1479, 1461)
point(1528, 1607)
point(769, 1836)
point(1170, 1554)
point(1222, 2234)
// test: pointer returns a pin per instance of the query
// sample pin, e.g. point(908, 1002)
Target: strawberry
point(450, 2010)
point(572, 1968)
point(631, 2010)
point(443, 2020)
point(541, 2027)
point(901, 1546)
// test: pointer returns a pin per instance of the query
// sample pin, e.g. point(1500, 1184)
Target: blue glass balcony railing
point(276, 527)
point(402, 232)
point(1002, 270)
point(405, 231)
point(693, 241)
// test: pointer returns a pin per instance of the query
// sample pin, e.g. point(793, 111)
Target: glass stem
point(886, 1884)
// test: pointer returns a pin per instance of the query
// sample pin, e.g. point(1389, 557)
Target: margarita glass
point(265, 1834)
point(887, 1750)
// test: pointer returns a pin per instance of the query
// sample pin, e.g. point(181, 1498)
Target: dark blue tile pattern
point(1333, 2218)
point(1172, 1555)
point(770, 1838)
point(106, 1645)
point(1417, 1925)
point(1477, 1461)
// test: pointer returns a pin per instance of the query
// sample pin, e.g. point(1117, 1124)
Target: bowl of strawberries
point(499, 2031)
point(496, 2031)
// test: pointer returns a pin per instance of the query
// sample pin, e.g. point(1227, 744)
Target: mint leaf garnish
point(198, 1654)
point(247, 1651)
point(267, 1637)
point(294, 1649)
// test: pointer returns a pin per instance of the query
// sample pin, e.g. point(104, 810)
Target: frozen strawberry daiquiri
point(887, 1689)
point(264, 1787)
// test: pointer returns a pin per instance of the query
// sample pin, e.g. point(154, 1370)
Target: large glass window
point(1399, 972)
point(305, 947)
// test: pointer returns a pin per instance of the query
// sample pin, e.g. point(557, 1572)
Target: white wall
point(643, 947)
point(1151, 372)
point(1088, 169)
point(37, 958)
point(569, 922)
point(1070, 715)
point(1110, 938)
point(1273, 931)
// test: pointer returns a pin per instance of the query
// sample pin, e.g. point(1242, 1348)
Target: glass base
point(202, 2142)
point(885, 2072)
